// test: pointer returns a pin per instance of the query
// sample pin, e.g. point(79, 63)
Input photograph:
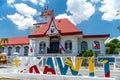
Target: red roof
point(18, 41)
point(63, 25)
point(97, 36)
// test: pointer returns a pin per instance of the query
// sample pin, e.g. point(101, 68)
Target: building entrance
point(54, 44)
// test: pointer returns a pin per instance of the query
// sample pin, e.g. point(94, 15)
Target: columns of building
point(75, 45)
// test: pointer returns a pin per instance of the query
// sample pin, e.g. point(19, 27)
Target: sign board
point(53, 64)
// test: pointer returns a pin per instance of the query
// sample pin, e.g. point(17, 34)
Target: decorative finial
point(46, 8)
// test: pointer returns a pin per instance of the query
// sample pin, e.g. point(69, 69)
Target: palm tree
point(3, 41)
point(118, 13)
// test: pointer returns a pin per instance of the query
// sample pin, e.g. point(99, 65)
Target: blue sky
point(90, 16)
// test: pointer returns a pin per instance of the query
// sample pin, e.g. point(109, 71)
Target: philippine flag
point(31, 52)
point(96, 45)
point(62, 48)
point(31, 49)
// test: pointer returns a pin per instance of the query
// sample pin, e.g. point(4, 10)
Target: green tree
point(117, 14)
point(113, 47)
point(87, 53)
point(2, 42)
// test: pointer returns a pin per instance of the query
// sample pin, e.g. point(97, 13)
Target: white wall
point(14, 49)
point(90, 44)
point(76, 44)
point(63, 39)
point(37, 43)
point(74, 40)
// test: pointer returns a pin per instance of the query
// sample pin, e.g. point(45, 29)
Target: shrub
point(87, 53)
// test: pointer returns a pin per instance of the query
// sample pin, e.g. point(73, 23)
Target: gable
point(52, 30)
point(61, 27)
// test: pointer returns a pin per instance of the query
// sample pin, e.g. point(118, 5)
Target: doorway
point(54, 44)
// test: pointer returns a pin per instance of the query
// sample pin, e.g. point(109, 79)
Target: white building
point(53, 36)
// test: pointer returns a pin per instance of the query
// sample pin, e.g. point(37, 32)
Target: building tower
point(46, 15)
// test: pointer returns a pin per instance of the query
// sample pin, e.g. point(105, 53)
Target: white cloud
point(80, 10)
point(109, 9)
point(95, 1)
point(37, 2)
point(23, 18)
point(10, 2)
point(42, 2)
point(34, 1)
point(63, 16)
point(25, 10)
point(1, 19)
point(21, 21)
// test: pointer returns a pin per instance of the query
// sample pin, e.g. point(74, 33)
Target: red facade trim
point(96, 36)
point(62, 34)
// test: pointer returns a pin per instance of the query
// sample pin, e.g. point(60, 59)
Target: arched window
point(68, 45)
point(42, 47)
point(9, 51)
point(96, 45)
point(18, 49)
point(1, 49)
point(84, 45)
point(26, 48)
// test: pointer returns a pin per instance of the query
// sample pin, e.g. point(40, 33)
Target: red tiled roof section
point(41, 31)
point(63, 25)
point(18, 41)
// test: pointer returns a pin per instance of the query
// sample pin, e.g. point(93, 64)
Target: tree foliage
point(3, 41)
point(118, 13)
point(87, 53)
point(113, 47)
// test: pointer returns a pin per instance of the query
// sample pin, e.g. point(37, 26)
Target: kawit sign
point(53, 64)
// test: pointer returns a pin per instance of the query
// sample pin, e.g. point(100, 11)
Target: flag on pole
point(31, 52)
point(96, 45)
point(62, 48)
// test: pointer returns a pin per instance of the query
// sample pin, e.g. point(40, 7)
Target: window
point(96, 45)
point(26, 48)
point(9, 51)
point(68, 45)
point(1, 49)
point(84, 45)
point(18, 49)
point(42, 47)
